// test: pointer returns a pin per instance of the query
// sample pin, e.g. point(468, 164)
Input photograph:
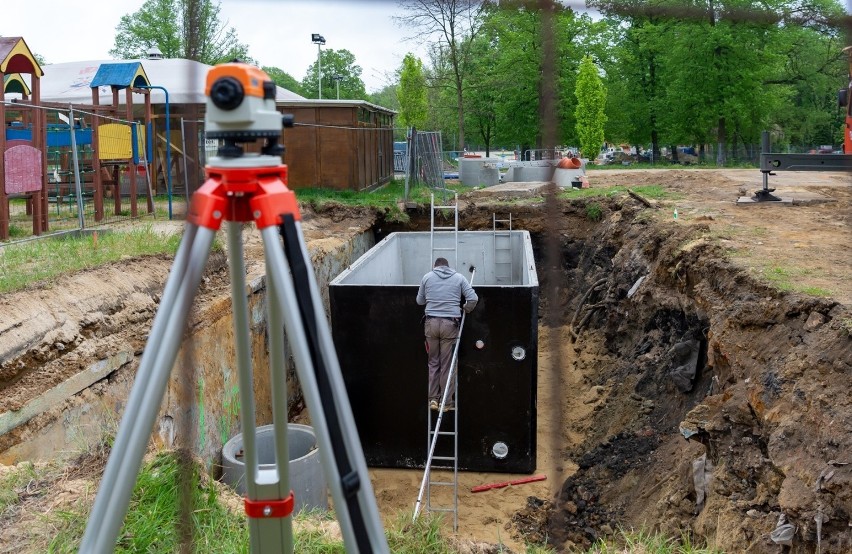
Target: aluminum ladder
point(447, 458)
point(503, 266)
point(445, 231)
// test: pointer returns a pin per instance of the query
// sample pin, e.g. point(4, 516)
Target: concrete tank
point(378, 333)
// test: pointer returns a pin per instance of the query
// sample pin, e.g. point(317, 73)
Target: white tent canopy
point(68, 83)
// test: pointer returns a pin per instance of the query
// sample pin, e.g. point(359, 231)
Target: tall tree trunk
point(191, 29)
point(675, 158)
point(721, 146)
point(652, 79)
point(460, 103)
point(655, 142)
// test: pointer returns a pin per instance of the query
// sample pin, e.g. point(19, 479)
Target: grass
point(651, 192)
point(645, 542)
point(786, 279)
point(11, 482)
point(26, 263)
point(385, 199)
point(593, 212)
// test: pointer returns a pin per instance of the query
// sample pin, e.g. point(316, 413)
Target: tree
point(455, 24)
point(412, 92)
point(591, 105)
point(335, 62)
point(283, 79)
point(188, 29)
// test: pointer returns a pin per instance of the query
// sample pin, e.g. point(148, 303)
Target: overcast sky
point(278, 32)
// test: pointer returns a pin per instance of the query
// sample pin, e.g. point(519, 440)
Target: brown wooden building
point(338, 144)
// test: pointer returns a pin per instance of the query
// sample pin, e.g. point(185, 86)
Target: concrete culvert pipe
point(306, 477)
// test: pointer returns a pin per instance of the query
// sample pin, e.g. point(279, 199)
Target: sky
point(278, 32)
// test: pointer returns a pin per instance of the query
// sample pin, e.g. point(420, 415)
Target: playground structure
point(117, 144)
point(22, 160)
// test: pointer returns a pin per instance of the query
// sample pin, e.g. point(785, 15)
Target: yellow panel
point(21, 48)
point(14, 80)
point(114, 142)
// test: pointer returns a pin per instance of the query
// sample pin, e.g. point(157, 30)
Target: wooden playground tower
point(22, 162)
point(116, 144)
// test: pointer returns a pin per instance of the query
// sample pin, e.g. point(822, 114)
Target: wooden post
point(40, 205)
point(4, 200)
point(96, 157)
point(131, 166)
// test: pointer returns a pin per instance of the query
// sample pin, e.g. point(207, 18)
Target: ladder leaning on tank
point(434, 432)
point(503, 266)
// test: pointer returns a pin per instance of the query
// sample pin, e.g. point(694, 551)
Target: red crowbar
point(532, 479)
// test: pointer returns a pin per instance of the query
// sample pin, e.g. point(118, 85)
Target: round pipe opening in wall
point(500, 450)
point(518, 353)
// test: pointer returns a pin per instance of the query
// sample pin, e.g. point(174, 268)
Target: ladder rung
point(451, 510)
point(443, 207)
point(444, 458)
point(443, 228)
point(442, 483)
point(444, 248)
point(443, 433)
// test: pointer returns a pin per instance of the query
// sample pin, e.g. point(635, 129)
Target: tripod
point(241, 189)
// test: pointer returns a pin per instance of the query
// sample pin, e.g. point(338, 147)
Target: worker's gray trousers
point(440, 340)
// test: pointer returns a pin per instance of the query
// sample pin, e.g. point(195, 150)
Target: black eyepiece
point(227, 93)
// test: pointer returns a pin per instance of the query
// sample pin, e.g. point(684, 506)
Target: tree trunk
point(675, 159)
point(721, 147)
point(460, 103)
point(655, 145)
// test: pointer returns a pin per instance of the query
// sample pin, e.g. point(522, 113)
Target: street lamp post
point(337, 77)
point(319, 40)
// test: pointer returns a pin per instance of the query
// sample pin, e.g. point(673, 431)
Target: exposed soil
point(705, 401)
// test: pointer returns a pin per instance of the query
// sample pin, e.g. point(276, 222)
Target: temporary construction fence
point(51, 189)
point(425, 161)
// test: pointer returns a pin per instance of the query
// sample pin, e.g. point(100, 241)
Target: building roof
point(69, 83)
point(120, 75)
point(316, 103)
point(14, 82)
point(16, 57)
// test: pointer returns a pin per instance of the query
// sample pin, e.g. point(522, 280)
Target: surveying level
point(243, 188)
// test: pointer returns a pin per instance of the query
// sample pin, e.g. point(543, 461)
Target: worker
point(441, 291)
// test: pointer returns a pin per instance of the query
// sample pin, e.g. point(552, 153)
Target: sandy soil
point(594, 398)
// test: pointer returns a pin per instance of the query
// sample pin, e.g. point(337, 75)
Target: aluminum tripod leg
point(147, 393)
point(352, 492)
point(270, 534)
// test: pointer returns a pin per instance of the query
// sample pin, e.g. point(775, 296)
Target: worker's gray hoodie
point(442, 289)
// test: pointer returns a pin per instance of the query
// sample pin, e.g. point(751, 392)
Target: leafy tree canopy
point(340, 63)
point(412, 92)
point(283, 79)
point(188, 29)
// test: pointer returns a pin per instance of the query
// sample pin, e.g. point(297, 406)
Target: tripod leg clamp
point(262, 509)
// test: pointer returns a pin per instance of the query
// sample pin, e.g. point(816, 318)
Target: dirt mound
point(724, 401)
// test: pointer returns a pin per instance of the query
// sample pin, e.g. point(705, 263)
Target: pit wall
point(75, 416)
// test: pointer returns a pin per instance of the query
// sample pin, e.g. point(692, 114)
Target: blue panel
point(62, 137)
point(19, 134)
point(134, 143)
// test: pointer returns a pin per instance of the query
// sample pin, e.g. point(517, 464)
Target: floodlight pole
point(337, 77)
point(319, 40)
